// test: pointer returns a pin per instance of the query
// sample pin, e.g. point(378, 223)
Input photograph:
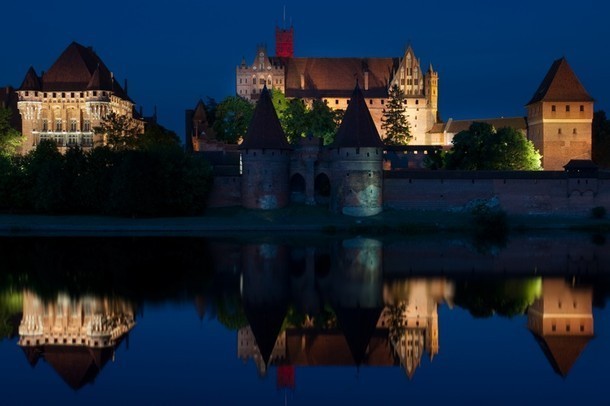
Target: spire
point(357, 129)
point(430, 68)
point(265, 131)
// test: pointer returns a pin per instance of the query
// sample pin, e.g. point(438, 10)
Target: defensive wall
point(543, 192)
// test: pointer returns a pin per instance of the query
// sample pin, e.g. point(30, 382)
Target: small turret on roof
point(265, 130)
point(560, 84)
point(31, 81)
point(357, 130)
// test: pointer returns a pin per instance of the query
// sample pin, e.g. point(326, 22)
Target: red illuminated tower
point(284, 44)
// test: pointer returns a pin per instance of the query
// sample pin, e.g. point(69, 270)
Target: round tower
point(265, 155)
point(357, 162)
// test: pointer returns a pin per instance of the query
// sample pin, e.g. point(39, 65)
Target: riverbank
point(296, 218)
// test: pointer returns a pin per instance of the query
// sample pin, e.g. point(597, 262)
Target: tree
point(233, 116)
point(10, 139)
point(601, 139)
point(322, 121)
point(119, 132)
point(280, 102)
point(481, 147)
point(155, 136)
point(394, 120)
point(295, 122)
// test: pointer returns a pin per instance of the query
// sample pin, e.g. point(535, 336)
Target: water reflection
point(77, 337)
point(358, 302)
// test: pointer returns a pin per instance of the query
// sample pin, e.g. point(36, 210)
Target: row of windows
point(59, 125)
point(554, 108)
point(573, 131)
point(63, 94)
point(244, 81)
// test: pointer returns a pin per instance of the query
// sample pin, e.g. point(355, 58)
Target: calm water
point(301, 320)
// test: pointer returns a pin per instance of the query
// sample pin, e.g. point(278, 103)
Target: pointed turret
point(265, 130)
point(31, 81)
point(357, 129)
point(265, 159)
point(100, 80)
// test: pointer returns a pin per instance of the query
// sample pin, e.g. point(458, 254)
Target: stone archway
point(322, 189)
point(297, 188)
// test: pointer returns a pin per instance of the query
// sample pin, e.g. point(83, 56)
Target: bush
point(598, 212)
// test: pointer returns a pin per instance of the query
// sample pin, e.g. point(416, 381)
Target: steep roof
point(31, 81)
point(77, 365)
point(562, 351)
point(357, 130)
point(455, 126)
point(335, 77)
point(560, 84)
point(79, 68)
point(265, 131)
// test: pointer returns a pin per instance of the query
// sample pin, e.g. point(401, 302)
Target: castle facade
point(69, 100)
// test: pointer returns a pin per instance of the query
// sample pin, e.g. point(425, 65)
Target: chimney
point(302, 82)
point(366, 80)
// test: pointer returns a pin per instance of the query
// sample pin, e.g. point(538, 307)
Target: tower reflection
point(77, 337)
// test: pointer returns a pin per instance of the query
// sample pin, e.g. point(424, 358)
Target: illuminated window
point(72, 125)
point(58, 124)
point(86, 125)
point(45, 125)
point(72, 138)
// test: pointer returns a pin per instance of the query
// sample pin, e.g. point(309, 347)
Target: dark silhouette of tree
point(119, 132)
point(601, 139)
point(394, 120)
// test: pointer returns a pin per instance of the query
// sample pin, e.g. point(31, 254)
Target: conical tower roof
point(562, 351)
point(560, 84)
point(357, 130)
point(358, 325)
point(31, 81)
point(265, 131)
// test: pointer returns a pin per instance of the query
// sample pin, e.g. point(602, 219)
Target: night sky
point(491, 56)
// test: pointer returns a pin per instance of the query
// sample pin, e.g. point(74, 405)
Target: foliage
point(10, 139)
point(11, 304)
point(295, 121)
point(481, 147)
point(435, 160)
point(233, 115)
point(506, 297)
point(601, 139)
point(119, 132)
point(394, 120)
point(156, 180)
point(155, 136)
point(280, 102)
point(598, 212)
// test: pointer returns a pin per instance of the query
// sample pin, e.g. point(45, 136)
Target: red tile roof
point(265, 130)
point(357, 130)
point(78, 68)
point(560, 84)
point(336, 77)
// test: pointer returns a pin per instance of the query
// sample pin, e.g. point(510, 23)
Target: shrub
point(598, 212)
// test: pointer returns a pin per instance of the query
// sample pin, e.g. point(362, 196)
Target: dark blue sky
point(491, 56)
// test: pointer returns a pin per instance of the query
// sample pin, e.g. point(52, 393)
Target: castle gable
point(560, 84)
point(265, 131)
point(335, 77)
point(357, 129)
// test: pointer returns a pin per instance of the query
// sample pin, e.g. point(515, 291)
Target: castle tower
point(265, 155)
point(560, 116)
point(357, 162)
point(562, 322)
point(431, 91)
point(284, 42)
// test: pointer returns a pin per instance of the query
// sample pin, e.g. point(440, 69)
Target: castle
point(332, 80)
point(68, 101)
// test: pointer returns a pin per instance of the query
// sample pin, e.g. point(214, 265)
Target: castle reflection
point(77, 337)
point(345, 302)
point(349, 315)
